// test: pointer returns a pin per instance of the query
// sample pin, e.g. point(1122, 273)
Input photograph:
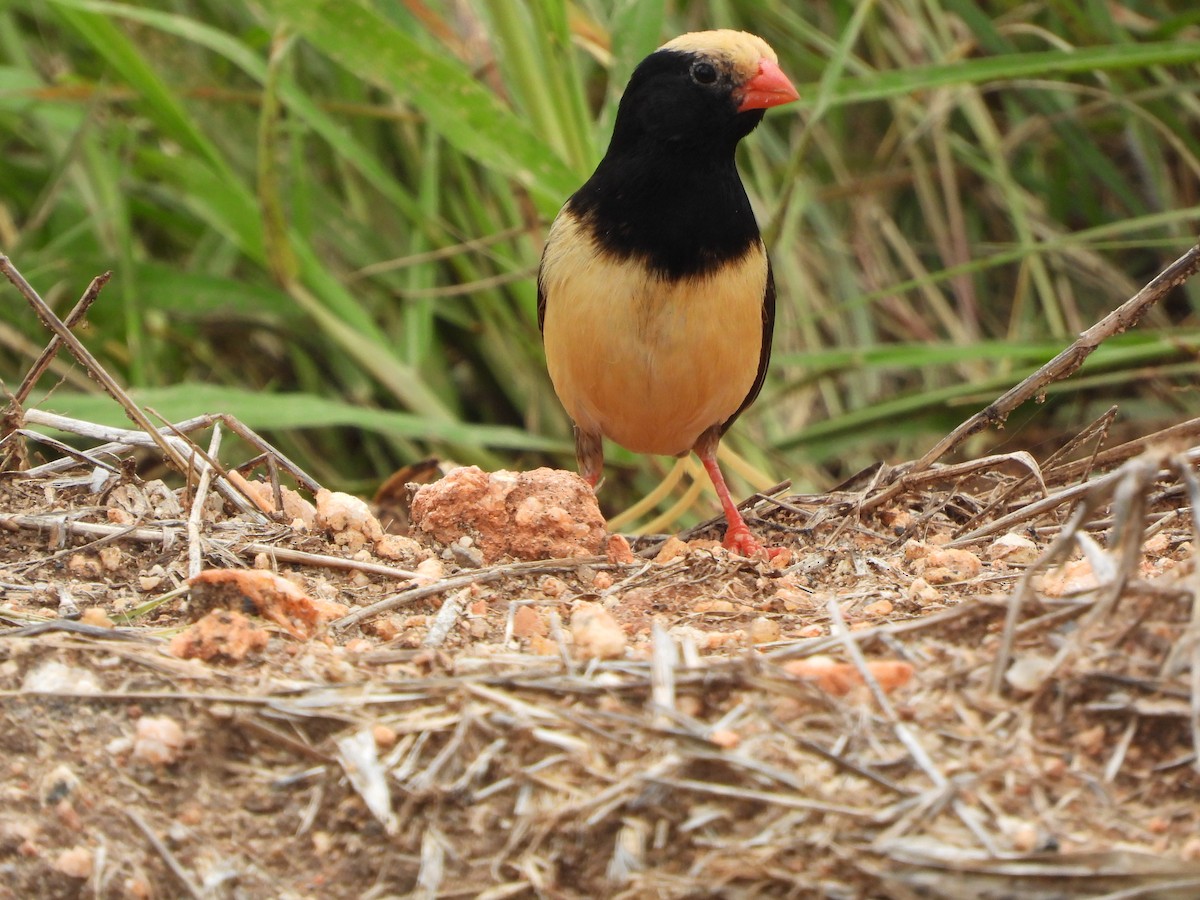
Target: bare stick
point(74, 317)
point(117, 439)
point(1055, 500)
point(479, 576)
point(195, 551)
point(1067, 362)
point(1188, 430)
point(1062, 366)
point(150, 534)
point(173, 864)
point(89, 362)
point(177, 435)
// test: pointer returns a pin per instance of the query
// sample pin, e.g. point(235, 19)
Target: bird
point(656, 298)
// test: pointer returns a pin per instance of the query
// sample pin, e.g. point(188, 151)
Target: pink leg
point(737, 535)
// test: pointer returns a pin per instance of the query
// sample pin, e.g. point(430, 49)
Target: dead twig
point(173, 864)
point(74, 317)
point(1065, 364)
point(89, 362)
point(166, 534)
point(16, 456)
point(1053, 501)
point(445, 619)
point(1172, 435)
point(1121, 319)
point(195, 550)
point(478, 576)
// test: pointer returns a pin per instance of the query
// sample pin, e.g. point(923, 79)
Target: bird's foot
point(739, 540)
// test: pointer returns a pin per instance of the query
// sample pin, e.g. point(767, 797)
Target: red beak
point(770, 87)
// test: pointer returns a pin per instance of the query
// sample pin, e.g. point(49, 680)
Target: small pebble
point(877, 609)
point(385, 737)
point(673, 548)
point(158, 740)
point(764, 630)
point(725, 738)
point(75, 863)
point(527, 622)
point(597, 635)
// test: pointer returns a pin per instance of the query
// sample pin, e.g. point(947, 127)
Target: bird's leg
point(589, 454)
point(737, 533)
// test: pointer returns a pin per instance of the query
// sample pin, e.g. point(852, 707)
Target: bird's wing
point(764, 356)
point(541, 297)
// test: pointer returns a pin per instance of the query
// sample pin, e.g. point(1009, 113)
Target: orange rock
point(618, 550)
point(671, 549)
point(296, 509)
point(158, 740)
point(764, 630)
point(1157, 544)
point(896, 518)
point(962, 564)
point(95, 615)
point(543, 646)
point(221, 635)
point(1093, 741)
point(385, 736)
point(553, 587)
point(429, 571)
point(1015, 549)
point(266, 594)
point(781, 557)
point(719, 640)
point(543, 514)
point(385, 629)
point(839, 678)
point(75, 863)
point(596, 633)
point(877, 609)
point(1069, 578)
point(395, 546)
point(944, 565)
point(923, 593)
point(348, 519)
point(527, 622)
point(725, 738)
point(84, 565)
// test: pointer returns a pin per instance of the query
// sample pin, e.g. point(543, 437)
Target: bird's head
point(705, 87)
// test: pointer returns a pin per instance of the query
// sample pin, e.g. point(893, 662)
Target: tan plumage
point(696, 340)
point(655, 294)
point(738, 51)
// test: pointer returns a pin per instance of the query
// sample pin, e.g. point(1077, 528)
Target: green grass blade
point(464, 112)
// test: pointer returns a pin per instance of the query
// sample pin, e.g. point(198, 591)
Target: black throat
point(678, 206)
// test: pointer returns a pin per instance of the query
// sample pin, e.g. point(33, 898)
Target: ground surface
point(680, 724)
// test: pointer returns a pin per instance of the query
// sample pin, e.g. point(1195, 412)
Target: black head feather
point(667, 190)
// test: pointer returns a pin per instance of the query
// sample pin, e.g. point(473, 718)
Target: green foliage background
point(325, 216)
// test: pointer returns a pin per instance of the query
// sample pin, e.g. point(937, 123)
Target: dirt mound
point(912, 698)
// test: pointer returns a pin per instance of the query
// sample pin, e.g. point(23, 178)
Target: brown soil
point(485, 732)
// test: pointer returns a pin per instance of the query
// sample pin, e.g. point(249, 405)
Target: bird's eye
point(704, 73)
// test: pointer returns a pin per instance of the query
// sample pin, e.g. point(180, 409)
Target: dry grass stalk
point(684, 767)
point(1064, 365)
